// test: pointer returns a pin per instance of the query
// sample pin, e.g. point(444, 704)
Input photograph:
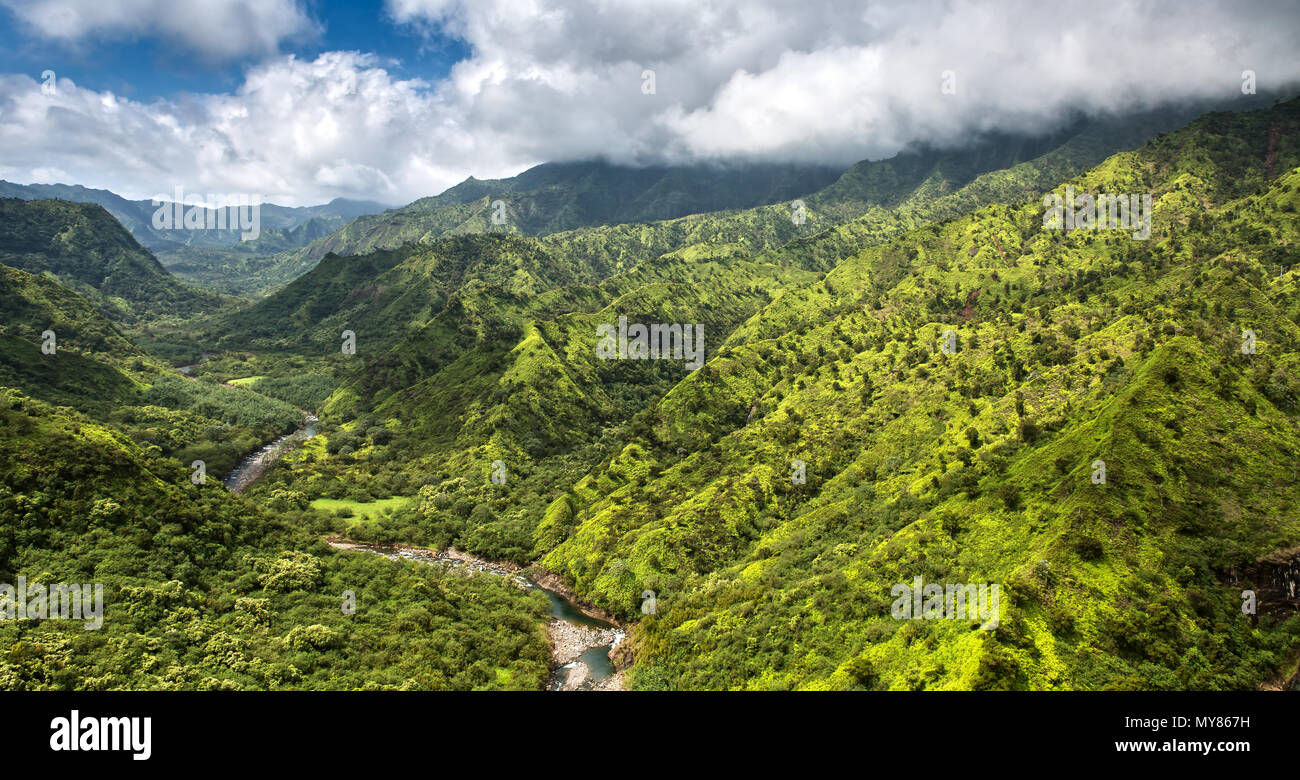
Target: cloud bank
point(813, 81)
point(212, 29)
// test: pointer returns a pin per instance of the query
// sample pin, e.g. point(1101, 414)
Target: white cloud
point(817, 80)
point(213, 29)
point(295, 132)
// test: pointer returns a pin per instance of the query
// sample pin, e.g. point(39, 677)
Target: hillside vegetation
point(1072, 347)
point(83, 248)
point(914, 378)
point(202, 591)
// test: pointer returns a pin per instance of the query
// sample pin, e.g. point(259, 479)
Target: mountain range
point(909, 377)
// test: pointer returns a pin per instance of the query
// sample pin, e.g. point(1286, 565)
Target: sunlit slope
point(974, 467)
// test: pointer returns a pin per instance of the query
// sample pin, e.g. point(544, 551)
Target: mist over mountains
point(474, 343)
point(798, 365)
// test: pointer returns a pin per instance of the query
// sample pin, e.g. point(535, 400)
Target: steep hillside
point(88, 251)
point(897, 194)
point(921, 183)
point(86, 358)
point(916, 185)
point(979, 466)
point(974, 467)
point(218, 260)
point(57, 347)
point(468, 330)
point(555, 197)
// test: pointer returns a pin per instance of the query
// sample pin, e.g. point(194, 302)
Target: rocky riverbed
point(582, 642)
point(256, 464)
point(571, 647)
point(457, 560)
point(569, 641)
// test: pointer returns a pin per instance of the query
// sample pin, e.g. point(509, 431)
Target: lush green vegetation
point(205, 591)
point(971, 467)
point(557, 197)
point(305, 391)
point(365, 510)
point(90, 253)
point(217, 260)
point(475, 412)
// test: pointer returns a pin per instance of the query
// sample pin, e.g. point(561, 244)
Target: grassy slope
point(461, 326)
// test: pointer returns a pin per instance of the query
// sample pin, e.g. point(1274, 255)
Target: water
point(255, 465)
point(597, 662)
point(598, 665)
point(203, 358)
point(565, 610)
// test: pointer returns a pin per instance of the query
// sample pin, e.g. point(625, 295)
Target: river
point(247, 472)
point(580, 643)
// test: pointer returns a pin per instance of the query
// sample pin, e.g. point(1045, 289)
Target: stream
point(580, 643)
point(253, 466)
point(247, 472)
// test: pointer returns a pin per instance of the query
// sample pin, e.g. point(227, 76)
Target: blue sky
point(145, 66)
point(302, 101)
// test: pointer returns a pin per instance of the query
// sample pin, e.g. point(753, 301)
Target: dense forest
point(975, 466)
point(912, 377)
point(205, 591)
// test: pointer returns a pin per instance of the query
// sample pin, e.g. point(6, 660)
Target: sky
point(302, 101)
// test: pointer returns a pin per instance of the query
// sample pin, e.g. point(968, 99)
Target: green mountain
point(555, 197)
point(198, 589)
point(978, 466)
point(218, 260)
point(283, 226)
point(86, 356)
point(374, 291)
point(908, 189)
point(972, 467)
point(918, 378)
point(85, 249)
point(548, 198)
point(56, 347)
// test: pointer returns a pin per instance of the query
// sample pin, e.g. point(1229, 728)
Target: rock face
point(576, 677)
point(614, 682)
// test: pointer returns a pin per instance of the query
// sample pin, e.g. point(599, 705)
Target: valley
point(917, 377)
point(581, 643)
